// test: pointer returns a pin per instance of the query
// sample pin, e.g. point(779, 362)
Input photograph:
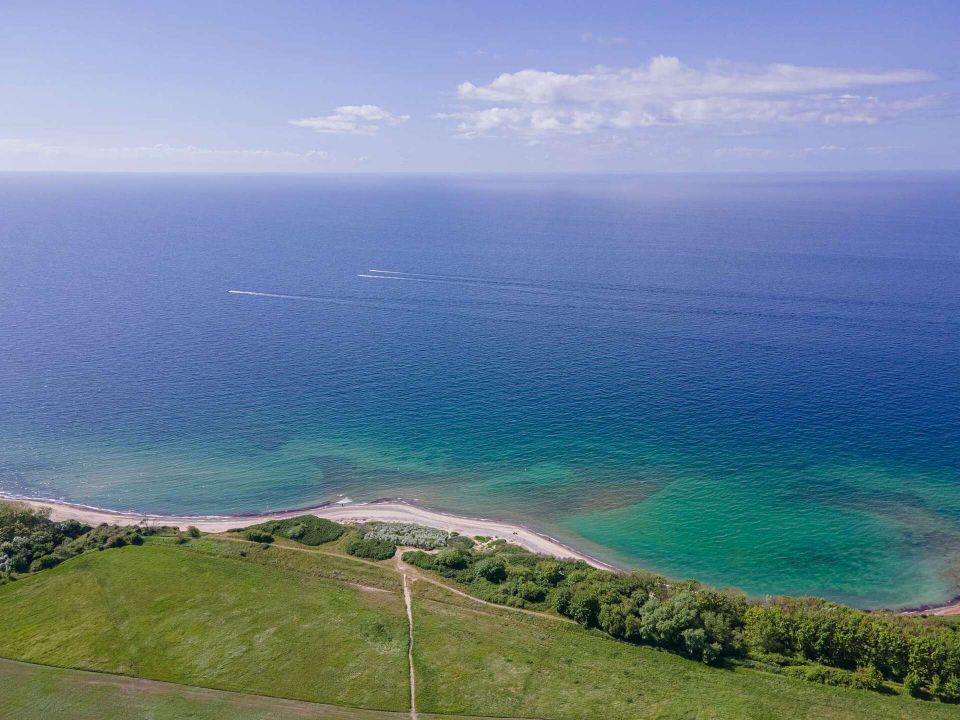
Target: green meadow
point(233, 628)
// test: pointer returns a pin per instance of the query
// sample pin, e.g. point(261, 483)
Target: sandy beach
point(383, 510)
point(394, 510)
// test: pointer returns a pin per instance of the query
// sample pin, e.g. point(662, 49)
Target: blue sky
point(479, 86)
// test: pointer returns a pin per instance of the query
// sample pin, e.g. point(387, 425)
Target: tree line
point(810, 638)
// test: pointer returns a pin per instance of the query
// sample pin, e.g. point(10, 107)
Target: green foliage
point(913, 685)
point(461, 542)
point(584, 607)
point(260, 536)
point(304, 529)
point(31, 542)
point(408, 534)
point(491, 569)
point(359, 546)
point(193, 531)
point(947, 691)
point(451, 558)
point(821, 674)
point(709, 625)
point(867, 678)
point(912, 649)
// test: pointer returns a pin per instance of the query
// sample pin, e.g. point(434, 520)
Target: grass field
point(518, 665)
point(315, 625)
point(36, 692)
point(179, 614)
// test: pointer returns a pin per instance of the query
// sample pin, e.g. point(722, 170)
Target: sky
point(487, 87)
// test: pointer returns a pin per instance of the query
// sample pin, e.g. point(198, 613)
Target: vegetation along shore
point(427, 620)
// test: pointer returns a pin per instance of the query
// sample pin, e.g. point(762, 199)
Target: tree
point(584, 607)
point(492, 569)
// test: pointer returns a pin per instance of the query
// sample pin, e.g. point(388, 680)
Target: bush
point(45, 561)
point(259, 536)
point(371, 549)
point(419, 559)
point(424, 538)
point(584, 608)
point(452, 558)
point(531, 592)
point(912, 685)
point(304, 529)
point(461, 542)
point(193, 531)
point(492, 569)
point(948, 691)
point(867, 678)
point(821, 674)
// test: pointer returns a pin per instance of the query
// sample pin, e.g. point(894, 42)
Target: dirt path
point(413, 679)
point(400, 567)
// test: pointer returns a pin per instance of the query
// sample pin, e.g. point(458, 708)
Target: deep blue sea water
point(754, 381)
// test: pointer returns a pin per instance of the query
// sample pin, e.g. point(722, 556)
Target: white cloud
point(352, 120)
point(667, 92)
point(822, 150)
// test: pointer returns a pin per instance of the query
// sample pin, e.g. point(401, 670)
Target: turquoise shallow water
point(750, 381)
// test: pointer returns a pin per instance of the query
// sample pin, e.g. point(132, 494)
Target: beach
point(389, 510)
point(393, 510)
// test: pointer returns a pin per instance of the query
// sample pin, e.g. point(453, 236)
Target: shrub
point(452, 558)
point(305, 529)
point(419, 559)
point(461, 542)
point(821, 674)
point(584, 608)
point(193, 531)
point(912, 685)
point(259, 536)
point(867, 678)
point(45, 561)
point(532, 592)
point(371, 549)
point(765, 630)
point(549, 572)
point(492, 568)
point(948, 691)
point(408, 534)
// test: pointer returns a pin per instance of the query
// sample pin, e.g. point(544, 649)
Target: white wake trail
point(412, 279)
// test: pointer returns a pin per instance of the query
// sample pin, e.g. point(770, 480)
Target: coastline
point(383, 510)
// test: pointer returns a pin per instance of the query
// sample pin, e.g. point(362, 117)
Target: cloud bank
point(665, 92)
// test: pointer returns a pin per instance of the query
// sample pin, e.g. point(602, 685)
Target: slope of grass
point(181, 615)
point(303, 623)
point(36, 692)
point(476, 659)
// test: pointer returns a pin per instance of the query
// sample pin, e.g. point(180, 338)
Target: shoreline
point(381, 510)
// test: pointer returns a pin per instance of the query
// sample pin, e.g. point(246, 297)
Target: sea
point(749, 380)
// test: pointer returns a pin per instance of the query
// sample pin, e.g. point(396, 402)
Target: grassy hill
point(317, 626)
